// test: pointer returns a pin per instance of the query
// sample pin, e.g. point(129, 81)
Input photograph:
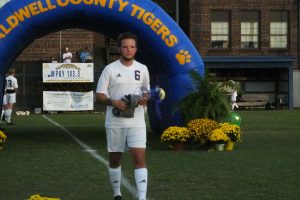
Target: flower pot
point(220, 147)
point(229, 146)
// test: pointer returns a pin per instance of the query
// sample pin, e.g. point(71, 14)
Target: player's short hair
point(11, 71)
point(126, 35)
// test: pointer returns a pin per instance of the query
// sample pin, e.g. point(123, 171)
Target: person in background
point(53, 60)
point(84, 55)
point(233, 99)
point(122, 78)
point(67, 56)
point(11, 88)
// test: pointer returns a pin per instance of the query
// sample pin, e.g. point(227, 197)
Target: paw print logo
point(183, 57)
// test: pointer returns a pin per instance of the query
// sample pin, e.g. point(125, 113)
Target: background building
point(254, 42)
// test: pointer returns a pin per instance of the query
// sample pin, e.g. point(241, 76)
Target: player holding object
point(119, 80)
point(11, 90)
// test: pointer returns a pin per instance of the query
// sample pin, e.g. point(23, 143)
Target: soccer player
point(11, 88)
point(124, 77)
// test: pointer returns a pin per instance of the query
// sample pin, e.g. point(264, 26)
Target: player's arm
point(102, 98)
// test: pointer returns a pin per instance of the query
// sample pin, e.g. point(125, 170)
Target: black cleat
point(118, 197)
point(10, 123)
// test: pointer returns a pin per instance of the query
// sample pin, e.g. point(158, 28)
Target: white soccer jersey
point(118, 80)
point(11, 83)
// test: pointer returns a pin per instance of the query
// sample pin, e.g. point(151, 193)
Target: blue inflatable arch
point(163, 46)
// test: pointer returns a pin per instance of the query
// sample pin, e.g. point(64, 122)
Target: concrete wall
point(296, 88)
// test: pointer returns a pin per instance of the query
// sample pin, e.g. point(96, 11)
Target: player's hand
point(143, 101)
point(120, 104)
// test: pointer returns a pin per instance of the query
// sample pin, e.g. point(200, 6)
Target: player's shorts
point(11, 98)
point(4, 99)
point(118, 139)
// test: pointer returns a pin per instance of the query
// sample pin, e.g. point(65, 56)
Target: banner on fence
point(68, 72)
point(68, 101)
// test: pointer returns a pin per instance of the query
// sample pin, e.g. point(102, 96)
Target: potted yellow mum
point(175, 135)
point(3, 139)
point(233, 132)
point(200, 129)
point(219, 138)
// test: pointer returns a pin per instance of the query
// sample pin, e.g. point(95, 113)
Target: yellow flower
point(218, 136)
point(200, 129)
point(175, 134)
point(38, 197)
point(232, 131)
point(3, 137)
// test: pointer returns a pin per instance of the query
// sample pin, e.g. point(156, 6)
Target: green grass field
point(41, 158)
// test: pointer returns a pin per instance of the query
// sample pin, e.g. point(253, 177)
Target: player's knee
point(139, 161)
point(115, 160)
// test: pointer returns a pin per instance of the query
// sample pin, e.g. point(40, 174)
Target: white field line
point(125, 183)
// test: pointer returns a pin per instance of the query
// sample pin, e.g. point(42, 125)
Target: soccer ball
point(161, 94)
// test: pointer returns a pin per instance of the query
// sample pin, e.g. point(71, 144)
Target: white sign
point(68, 101)
point(68, 72)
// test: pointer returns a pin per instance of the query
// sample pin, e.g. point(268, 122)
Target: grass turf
point(40, 158)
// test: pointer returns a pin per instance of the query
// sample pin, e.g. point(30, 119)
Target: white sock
point(2, 113)
point(8, 115)
point(141, 179)
point(115, 180)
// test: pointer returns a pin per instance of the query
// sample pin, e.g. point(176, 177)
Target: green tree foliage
point(209, 100)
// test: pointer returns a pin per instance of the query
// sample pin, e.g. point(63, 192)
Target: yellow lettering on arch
point(163, 31)
point(62, 3)
point(12, 21)
point(122, 5)
point(33, 9)
point(171, 41)
point(50, 6)
point(41, 7)
point(135, 9)
point(2, 35)
point(101, 2)
point(111, 4)
point(88, 2)
point(156, 24)
point(75, 2)
point(148, 18)
point(6, 31)
point(23, 12)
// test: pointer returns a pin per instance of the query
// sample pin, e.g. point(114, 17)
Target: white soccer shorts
point(11, 98)
point(118, 139)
